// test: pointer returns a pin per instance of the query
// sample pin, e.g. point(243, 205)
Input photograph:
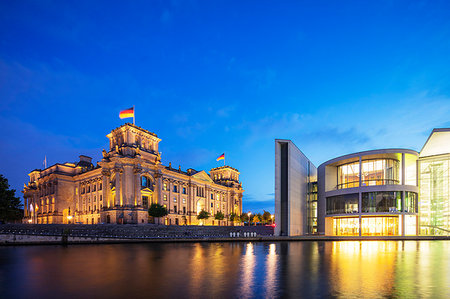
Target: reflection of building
point(125, 182)
point(386, 192)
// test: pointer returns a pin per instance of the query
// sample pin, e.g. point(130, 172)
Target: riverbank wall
point(48, 234)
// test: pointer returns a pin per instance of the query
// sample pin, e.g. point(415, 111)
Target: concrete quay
point(23, 234)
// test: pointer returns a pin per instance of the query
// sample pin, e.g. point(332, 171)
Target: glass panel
point(346, 226)
point(385, 202)
point(380, 172)
point(411, 202)
point(434, 212)
point(342, 204)
point(348, 175)
point(379, 226)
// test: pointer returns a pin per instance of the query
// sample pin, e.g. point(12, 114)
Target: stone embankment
point(24, 234)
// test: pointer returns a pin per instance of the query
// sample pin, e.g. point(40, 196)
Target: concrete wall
point(291, 221)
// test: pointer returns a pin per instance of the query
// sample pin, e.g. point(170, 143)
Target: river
point(346, 269)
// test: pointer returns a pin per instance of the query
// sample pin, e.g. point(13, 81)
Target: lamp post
point(69, 218)
point(271, 217)
point(249, 214)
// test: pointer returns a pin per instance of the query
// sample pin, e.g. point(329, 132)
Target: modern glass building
point(371, 193)
point(434, 182)
point(387, 192)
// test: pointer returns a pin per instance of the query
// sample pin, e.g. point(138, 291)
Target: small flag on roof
point(127, 113)
point(221, 157)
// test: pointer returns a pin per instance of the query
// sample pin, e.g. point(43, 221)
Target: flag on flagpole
point(45, 162)
point(221, 157)
point(127, 113)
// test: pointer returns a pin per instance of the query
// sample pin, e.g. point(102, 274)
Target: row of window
point(372, 202)
point(87, 189)
point(373, 172)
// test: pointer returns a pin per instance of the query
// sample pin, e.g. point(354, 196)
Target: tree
point(10, 205)
point(256, 218)
point(203, 215)
point(266, 217)
point(244, 217)
point(157, 211)
point(219, 216)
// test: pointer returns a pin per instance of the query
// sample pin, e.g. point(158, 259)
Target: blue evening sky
point(221, 76)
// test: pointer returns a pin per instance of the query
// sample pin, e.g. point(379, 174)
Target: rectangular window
point(184, 190)
point(100, 186)
point(165, 197)
point(175, 199)
point(184, 200)
point(174, 209)
point(100, 197)
point(145, 202)
point(95, 198)
point(175, 189)
point(212, 196)
point(212, 205)
point(184, 210)
point(165, 187)
point(95, 187)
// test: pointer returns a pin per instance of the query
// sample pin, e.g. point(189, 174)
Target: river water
point(346, 269)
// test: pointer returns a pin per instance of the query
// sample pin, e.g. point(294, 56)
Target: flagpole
point(223, 160)
point(133, 115)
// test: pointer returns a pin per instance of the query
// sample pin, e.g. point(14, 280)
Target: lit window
point(184, 190)
point(175, 199)
point(165, 187)
point(184, 200)
point(165, 197)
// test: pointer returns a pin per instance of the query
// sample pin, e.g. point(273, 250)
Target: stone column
point(137, 193)
point(118, 196)
point(158, 188)
point(106, 188)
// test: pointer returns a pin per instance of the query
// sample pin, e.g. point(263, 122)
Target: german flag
point(221, 157)
point(127, 113)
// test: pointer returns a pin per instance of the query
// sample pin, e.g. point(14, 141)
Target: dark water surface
point(347, 269)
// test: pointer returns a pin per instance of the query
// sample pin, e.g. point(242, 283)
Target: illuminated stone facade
point(122, 186)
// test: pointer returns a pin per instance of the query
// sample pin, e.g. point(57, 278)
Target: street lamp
point(249, 213)
point(271, 216)
point(69, 218)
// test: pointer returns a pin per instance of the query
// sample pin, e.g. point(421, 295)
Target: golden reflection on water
point(355, 269)
point(271, 272)
point(248, 271)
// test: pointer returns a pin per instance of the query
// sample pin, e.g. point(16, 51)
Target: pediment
point(203, 176)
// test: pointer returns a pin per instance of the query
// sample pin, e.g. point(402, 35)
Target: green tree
point(219, 216)
point(256, 218)
point(10, 205)
point(244, 217)
point(203, 215)
point(157, 211)
point(266, 217)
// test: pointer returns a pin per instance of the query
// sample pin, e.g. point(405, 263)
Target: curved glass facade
point(380, 172)
point(343, 204)
point(373, 172)
point(348, 175)
point(383, 202)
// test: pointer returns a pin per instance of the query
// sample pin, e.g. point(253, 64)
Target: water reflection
point(245, 270)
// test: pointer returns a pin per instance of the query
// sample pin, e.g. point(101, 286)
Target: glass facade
point(343, 204)
point(348, 175)
point(312, 208)
point(380, 172)
point(380, 226)
point(411, 203)
point(346, 226)
point(434, 196)
point(373, 172)
point(383, 202)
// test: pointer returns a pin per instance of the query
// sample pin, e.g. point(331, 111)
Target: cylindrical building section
point(371, 193)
